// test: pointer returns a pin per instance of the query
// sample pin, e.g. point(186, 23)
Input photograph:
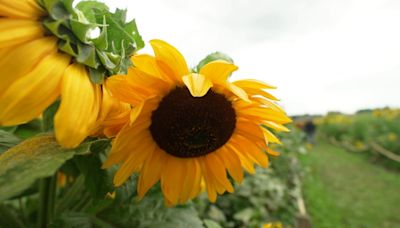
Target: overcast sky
point(323, 55)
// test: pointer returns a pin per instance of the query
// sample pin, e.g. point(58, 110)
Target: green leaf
point(212, 57)
point(96, 179)
point(244, 215)
point(29, 129)
point(211, 224)
point(48, 116)
point(34, 158)
point(9, 217)
point(122, 35)
point(7, 140)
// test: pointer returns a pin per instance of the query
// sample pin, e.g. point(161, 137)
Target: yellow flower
point(392, 137)
point(33, 74)
point(188, 128)
point(273, 225)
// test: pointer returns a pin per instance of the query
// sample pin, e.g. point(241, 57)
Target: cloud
point(323, 55)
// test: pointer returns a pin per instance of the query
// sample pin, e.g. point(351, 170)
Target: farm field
point(343, 189)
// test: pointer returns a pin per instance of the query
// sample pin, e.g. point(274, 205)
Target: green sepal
point(81, 30)
point(213, 57)
point(110, 52)
point(87, 55)
point(57, 9)
point(98, 75)
point(68, 47)
point(101, 42)
point(108, 60)
point(91, 9)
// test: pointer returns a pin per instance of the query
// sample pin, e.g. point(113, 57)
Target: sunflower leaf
point(96, 179)
point(34, 158)
point(7, 140)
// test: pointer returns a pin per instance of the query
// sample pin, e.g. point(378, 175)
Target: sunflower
point(191, 129)
point(46, 54)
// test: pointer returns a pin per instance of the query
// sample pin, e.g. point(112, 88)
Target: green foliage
point(23, 164)
point(7, 140)
point(381, 126)
point(104, 55)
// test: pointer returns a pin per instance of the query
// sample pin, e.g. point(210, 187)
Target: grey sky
point(323, 55)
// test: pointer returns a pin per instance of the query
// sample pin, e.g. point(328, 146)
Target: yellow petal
point(15, 31)
point(270, 137)
point(246, 163)
point(151, 171)
point(232, 163)
point(136, 111)
point(218, 71)
point(259, 92)
point(237, 91)
point(276, 126)
point(264, 114)
point(126, 143)
point(22, 59)
point(79, 107)
point(272, 152)
point(197, 84)
point(28, 9)
point(135, 87)
point(27, 97)
point(211, 191)
point(170, 58)
point(172, 178)
point(254, 84)
point(218, 170)
point(249, 129)
point(268, 103)
point(187, 183)
point(196, 177)
point(251, 150)
point(134, 161)
point(147, 64)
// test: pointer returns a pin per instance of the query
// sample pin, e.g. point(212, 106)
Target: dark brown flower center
point(186, 126)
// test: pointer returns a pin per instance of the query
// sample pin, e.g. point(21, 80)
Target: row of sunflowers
point(96, 134)
point(365, 131)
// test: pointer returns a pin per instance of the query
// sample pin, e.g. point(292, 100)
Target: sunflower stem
point(47, 192)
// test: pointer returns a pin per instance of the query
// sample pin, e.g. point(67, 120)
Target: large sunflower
point(45, 54)
point(191, 128)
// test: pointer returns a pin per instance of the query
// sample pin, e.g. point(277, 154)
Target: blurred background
point(323, 55)
point(337, 68)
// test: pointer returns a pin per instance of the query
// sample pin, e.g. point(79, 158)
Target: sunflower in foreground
point(46, 53)
point(188, 129)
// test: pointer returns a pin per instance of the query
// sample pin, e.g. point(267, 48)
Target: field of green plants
point(371, 132)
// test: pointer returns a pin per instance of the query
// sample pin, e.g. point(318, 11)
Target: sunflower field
point(375, 132)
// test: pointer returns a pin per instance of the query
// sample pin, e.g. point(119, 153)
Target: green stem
point(47, 193)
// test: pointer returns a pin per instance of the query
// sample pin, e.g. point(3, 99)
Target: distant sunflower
point(191, 128)
point(42, 58)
